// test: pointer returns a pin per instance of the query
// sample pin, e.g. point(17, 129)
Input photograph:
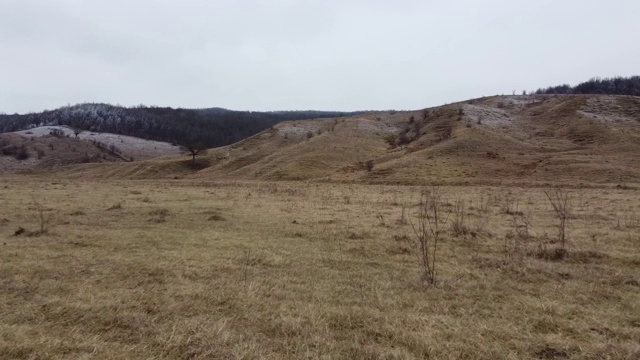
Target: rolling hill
point(573, 139)
point(210, 127)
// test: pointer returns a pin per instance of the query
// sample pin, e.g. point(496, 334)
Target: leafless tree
point(194, 149)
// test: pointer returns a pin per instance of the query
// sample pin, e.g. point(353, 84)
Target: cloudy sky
point(296, 54)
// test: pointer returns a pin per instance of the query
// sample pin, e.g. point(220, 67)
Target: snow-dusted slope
point(129, 147)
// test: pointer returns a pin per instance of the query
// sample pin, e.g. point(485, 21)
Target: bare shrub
point(44, 218)
point(380, 218)
point(560, 200)
point(391, 140)
point(511, 203)
point(216, 217)
point(368, 165)
point(444, 133)
point(9, 150)
point(158, 215)
point(517, 239)
point(159, 212)
point(22, 153)
point(458, 226)
point(482, 217)
point(56, 132)
point(116, 206)
point(428, 230)
point(403, 216)
point(402, 138)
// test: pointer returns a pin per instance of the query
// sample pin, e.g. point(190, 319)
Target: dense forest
point(211, 127)
point(609, 86)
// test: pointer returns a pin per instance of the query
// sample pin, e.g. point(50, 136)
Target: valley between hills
point(503, 227)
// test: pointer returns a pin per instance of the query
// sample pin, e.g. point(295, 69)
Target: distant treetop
point(609, 86)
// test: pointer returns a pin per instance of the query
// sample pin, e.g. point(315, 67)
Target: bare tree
point(194, 149)
point(77, 131)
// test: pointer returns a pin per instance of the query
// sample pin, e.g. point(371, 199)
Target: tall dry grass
point(292, 270)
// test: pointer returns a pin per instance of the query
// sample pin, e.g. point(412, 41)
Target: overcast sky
point(295, 54)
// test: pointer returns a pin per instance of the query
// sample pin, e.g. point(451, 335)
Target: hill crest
point(532, 139)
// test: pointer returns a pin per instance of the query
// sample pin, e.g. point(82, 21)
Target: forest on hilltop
point(608, 86)
point(210, 127)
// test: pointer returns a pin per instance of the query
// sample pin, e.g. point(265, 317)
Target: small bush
point(117, 206)
point(159, 212)
point(56, 132)
point(216, 217)
point(458, 226)
point(391, 140)
point(402, 139)
point(368, 165)
point(9, 150)
point(22, 153)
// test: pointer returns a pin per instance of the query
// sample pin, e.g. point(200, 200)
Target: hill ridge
point(526, 139)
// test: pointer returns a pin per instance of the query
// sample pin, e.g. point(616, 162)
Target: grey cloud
point(286, 54)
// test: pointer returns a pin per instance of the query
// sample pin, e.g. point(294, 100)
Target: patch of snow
point(139, 149)
point(487, 115)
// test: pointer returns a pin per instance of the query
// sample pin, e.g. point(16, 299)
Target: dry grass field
point(166, 269)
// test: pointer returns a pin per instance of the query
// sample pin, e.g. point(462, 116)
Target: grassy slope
point(532, 139)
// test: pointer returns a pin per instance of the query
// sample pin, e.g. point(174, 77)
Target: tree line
point(610, 86)
point(210, 127)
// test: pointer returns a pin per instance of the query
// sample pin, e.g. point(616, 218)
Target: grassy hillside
point(206, 127)
point(534, 139)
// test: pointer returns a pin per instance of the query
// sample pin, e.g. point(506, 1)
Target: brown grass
point(530, 140)
point(308, 271)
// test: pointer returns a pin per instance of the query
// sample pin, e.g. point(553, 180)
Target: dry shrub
point(458, 226)
point(428, 229)
point(560, 200)
point(216, 217)
point(159, 212)
point(116, 206)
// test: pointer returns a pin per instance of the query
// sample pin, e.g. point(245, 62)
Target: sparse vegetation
point(560, 200)
point(77, 131)
point(55, 132)
point(428, 229)
point(368, 165)
point(22, 153)
point(160, 280)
